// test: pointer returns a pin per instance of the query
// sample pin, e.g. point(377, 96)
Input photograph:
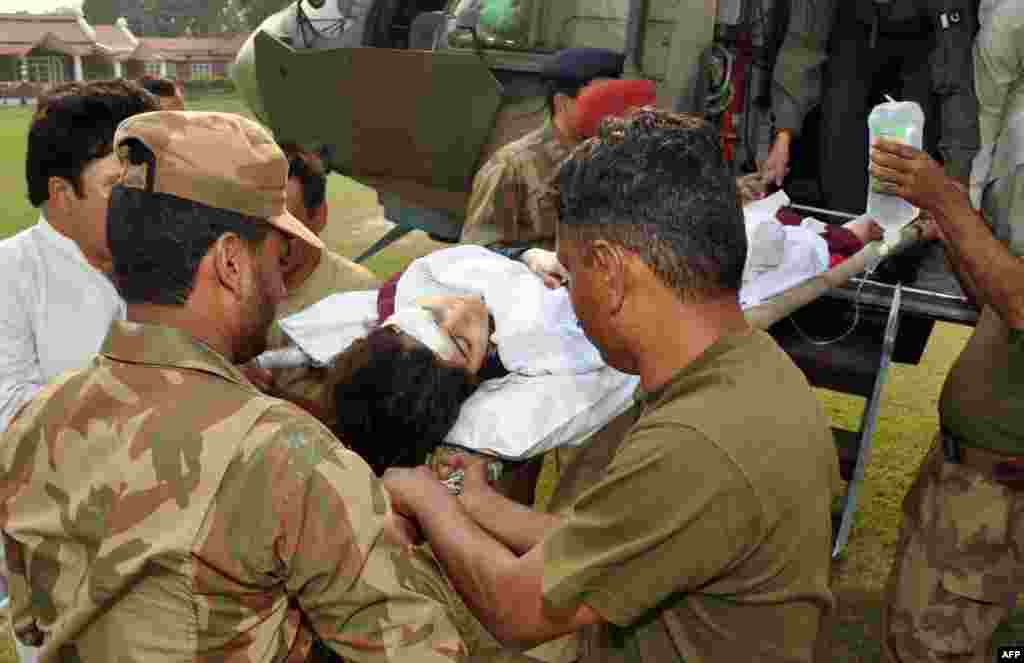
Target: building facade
point(37, 51)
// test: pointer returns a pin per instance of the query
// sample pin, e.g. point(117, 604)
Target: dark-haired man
point(156, 505)
point(167, 92)
point(506, 209)
point(56, 297)
point(310, 274)
point(704, 535)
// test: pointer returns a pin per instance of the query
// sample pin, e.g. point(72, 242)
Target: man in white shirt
point(57, 300)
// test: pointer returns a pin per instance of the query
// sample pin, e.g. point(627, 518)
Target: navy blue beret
point(584, 64)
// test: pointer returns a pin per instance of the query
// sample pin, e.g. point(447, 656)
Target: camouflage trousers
point(959, 564)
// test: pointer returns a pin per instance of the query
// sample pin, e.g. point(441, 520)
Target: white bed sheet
point(520, 416)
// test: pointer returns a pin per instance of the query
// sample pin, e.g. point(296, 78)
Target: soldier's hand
point(403, 530)
point(929, 227)
point(866, 229)
point(475, 482)
point(905, 171)
point(751, 188)
point(413, 489)
point(545, 265)
point(776, 167)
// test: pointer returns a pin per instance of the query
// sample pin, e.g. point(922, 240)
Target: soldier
point(506, 209)
point(796, 76)
point(156, 505)
point(310, 274)
point(958, 566)
point(689, 542)
point(928, 42)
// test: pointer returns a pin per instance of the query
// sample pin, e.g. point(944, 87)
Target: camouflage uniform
point(507, 210)
point(157, 505)
point(507, 204)
point(958, 566)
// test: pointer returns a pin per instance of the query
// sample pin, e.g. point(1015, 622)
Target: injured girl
point(465, 347)
point(455, 319)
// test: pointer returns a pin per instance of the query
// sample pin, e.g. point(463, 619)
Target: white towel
point(536, 330)
point(766, 238)
point(324, 330)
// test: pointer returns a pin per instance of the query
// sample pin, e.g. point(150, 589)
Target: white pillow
point(519, 416)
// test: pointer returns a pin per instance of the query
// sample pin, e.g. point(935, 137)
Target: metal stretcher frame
point(861, 439)
point(869, 420)
point(872, 392)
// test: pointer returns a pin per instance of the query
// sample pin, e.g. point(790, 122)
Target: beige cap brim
point(292, 227)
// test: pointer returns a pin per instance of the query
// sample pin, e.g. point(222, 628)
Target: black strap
point(511, 251)
point(951, 447)
point(781, 15)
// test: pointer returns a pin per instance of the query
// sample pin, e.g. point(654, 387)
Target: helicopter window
point(394, 19)
point(504, 24)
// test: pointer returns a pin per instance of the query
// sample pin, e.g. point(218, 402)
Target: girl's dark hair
point(395, 401)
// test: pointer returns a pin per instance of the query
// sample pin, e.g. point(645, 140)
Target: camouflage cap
point(220, 160)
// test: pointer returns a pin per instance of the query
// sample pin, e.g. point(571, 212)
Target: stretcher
point(564, 408)
point(869, 325)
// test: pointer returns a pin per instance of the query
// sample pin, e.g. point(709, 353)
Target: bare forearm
point(477, 564)
point(515, 525)
point(990, 269)
point(966, 283)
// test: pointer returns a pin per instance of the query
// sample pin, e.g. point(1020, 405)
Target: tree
point(232, 18)
point(174, 18)
point(101, 12)
point(257, 11)
point(219, 17)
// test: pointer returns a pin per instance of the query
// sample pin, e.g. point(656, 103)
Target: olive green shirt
point(155, 506)
point(507, 204)
point(982, 400)
point(708, 536)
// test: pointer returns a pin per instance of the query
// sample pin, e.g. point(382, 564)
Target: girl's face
point(466, 321)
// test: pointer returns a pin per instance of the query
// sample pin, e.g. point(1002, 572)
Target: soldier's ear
point(609, 268)
point(61, 192)
point(230, 260)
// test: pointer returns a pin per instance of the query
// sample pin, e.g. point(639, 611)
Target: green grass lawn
point(905, 427)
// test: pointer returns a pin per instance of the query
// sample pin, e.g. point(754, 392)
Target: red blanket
point(386, 297)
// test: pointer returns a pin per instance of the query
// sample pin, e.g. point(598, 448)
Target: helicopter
point(421, 92)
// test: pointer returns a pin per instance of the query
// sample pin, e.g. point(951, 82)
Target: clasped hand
point(905, 171)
